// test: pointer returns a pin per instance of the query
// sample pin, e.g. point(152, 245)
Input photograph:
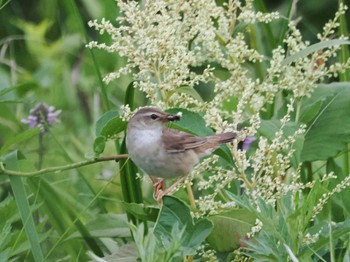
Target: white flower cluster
point(125, 112)
point(326, 196)
point(311, 238)
point(255, 229)
point(171, 46)
point(207, 255)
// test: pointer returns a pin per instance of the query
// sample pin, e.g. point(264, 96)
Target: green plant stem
point(298, 110)
point(58, 169)
point(331, 240)
point(80, 22)
point(41, 150)
point(190, 196)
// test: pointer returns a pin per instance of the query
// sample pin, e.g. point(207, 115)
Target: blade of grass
point(269, 36)
point(131, 185)
point(77, 216)
point(285, 21)
point(81, 175)
point(64, 217)
point(71, 4)
point(313, 48)
point(20, 194)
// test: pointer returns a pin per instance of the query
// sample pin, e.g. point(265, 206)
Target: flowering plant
point(175, 49)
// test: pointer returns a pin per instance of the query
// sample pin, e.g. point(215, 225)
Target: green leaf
point(190, 122)
point(110, 124)
point(99, 144)
point(19, 138)
point(129, 96)
point(175, 213)
point(234, 225)
point(313, 48)
point(311, 106)
point(224, 152)
point(330, 129)
point(20, 194)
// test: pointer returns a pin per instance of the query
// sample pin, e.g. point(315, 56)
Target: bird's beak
point(171, 118)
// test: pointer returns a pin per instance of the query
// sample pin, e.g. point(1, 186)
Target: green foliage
point(287, 227)
point(20, 195)
point(171, 222)
point(328, 131)
point(234, 225)
point(110, 124)
point(175, 234)
point(86, 213)
point(190, 122)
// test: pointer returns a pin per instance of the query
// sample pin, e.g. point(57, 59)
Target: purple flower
point(247, 142)
point(42, 115)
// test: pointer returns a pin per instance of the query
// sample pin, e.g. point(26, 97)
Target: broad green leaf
point(190, 122)
point(313, 48)
point(18, 139)
point(311, 106)
point(224, 152)
point(328, 132)
point(234, 225)
point(20, 194)
point(175, 213)
point(110, 124)
point(99, 144)
point(309, 111)
point(269, 128)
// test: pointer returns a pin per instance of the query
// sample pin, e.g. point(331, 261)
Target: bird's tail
point(224, 137)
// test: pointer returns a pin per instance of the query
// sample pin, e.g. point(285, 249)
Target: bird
point(162, 152)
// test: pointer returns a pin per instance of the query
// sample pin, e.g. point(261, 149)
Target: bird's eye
point(154, 116)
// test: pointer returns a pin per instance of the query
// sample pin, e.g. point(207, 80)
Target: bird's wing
point(176, 141)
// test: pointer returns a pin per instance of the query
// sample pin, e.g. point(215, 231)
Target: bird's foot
point(158, 195)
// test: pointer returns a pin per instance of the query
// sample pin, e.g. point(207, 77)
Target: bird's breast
point(147, 151)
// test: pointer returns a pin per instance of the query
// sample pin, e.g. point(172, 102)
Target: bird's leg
point(158, 186)
point(159, 195)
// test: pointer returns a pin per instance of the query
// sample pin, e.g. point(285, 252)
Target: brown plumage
point(164, 152)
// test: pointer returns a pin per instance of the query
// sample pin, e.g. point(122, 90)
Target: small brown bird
point(164, 152)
